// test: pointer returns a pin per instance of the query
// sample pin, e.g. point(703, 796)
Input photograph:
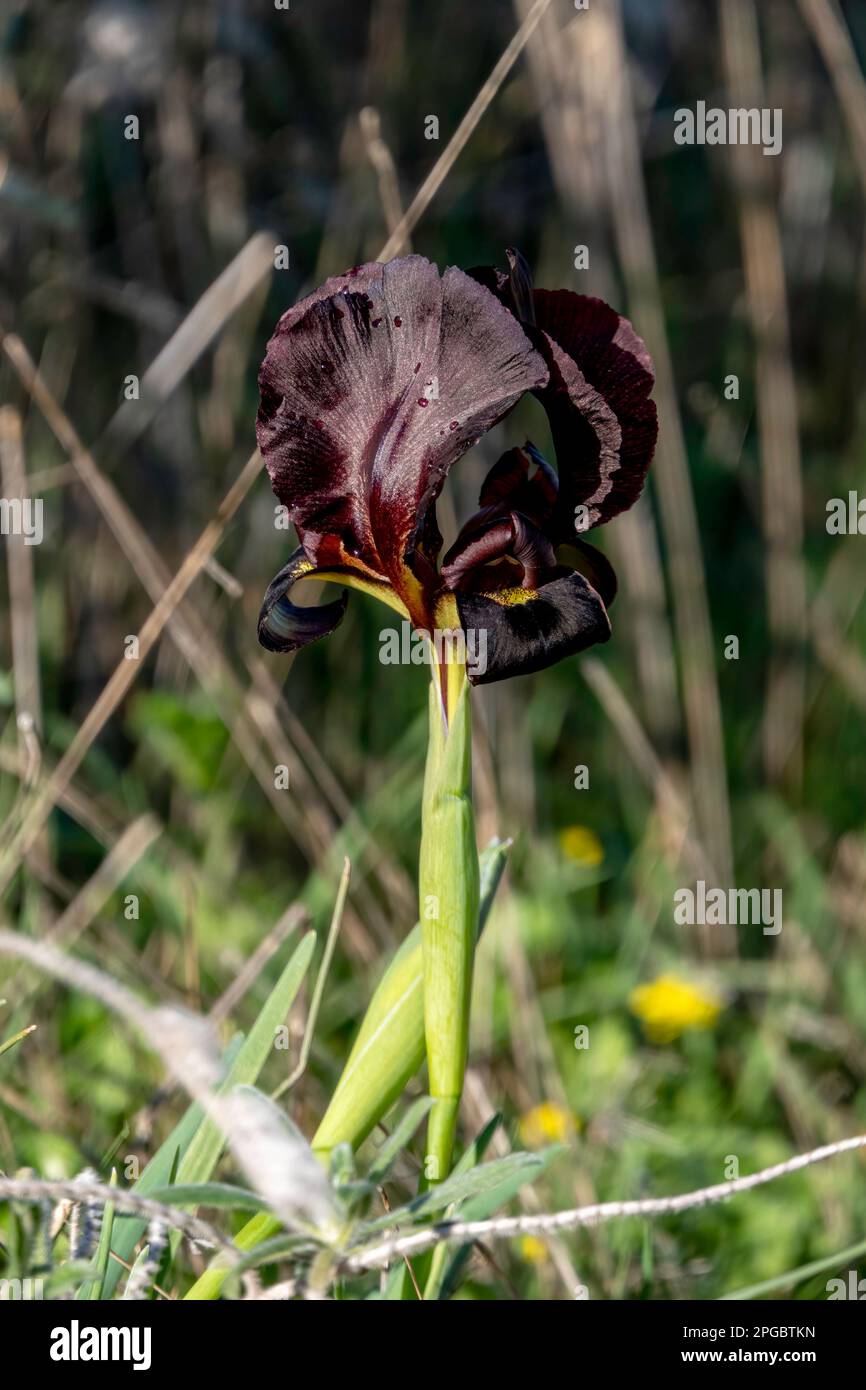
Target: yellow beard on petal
point(508, 598)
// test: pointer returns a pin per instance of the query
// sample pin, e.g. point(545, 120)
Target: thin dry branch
point(830, 32)
point(382, 161)
point(571, 106)
point(633, 737)
point(781, 472)
point(462, 1232)
point(253, 264)
point(449, 156)
point(289, 921)
point(251, 721)
point(19, 559)
point(87, 904)
point(672, 481)
point(78, 1190)
point(47, 794)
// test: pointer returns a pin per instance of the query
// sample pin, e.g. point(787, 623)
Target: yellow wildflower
point(546, 1124)
point(581, 844)
point(669, 1006)
point(533, 1249)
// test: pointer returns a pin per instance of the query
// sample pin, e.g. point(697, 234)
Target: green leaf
point(16, 1038)
point(502, 1175)
point(140, 1259)
point(92, 1287)
point(403, 1132)
point(128, 1230)
point(209, 1194)
point(441, 1260)
point(474, 1152)
point(264, 1253)
point(204, 1152)
point(446, 1274)
point(798, 1276)
point(389, 1048)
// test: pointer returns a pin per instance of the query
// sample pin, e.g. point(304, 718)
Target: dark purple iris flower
point(372, 388)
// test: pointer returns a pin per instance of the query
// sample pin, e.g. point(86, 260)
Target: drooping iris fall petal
point(371, 389)
point(284, 625)
point(529, 629)
point(525, 602)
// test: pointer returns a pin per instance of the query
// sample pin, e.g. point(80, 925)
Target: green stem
point(390, 1045)
point(448, 889)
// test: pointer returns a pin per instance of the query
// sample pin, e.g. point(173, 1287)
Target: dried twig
point(375, 1256)
point(831, 34)
point(781, 474)
point(124, 675)
point(449, 156)
point(382, 161)
point(632, 226)
point(76, 1190)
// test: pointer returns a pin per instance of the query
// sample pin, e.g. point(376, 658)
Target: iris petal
point(370, 394)
point(597, 398)
point(510, 486)
point(524, 630)
point(604, 425)
point(285, 626)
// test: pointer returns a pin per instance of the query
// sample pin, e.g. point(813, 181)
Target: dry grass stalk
point(606, 63)
point(781, 476)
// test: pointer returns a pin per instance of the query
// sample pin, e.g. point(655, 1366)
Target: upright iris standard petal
point(369, 394)
point(604, 425)
point(597, 397)
point(522, 481)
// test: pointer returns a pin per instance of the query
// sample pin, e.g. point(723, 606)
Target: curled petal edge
point(285, 626)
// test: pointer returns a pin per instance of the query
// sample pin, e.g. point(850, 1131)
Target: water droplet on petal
point(454, 425)
point(376, 322)
point(422, 400)
point(398, 322)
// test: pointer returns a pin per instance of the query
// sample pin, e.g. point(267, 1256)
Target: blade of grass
point(160, 1170)
point(92, 1288)
point(797, 1276)
point(204, 1152)
point(319, 990)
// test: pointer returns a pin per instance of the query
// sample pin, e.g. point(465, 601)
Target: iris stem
point(448, 889)
point(388, 1050)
